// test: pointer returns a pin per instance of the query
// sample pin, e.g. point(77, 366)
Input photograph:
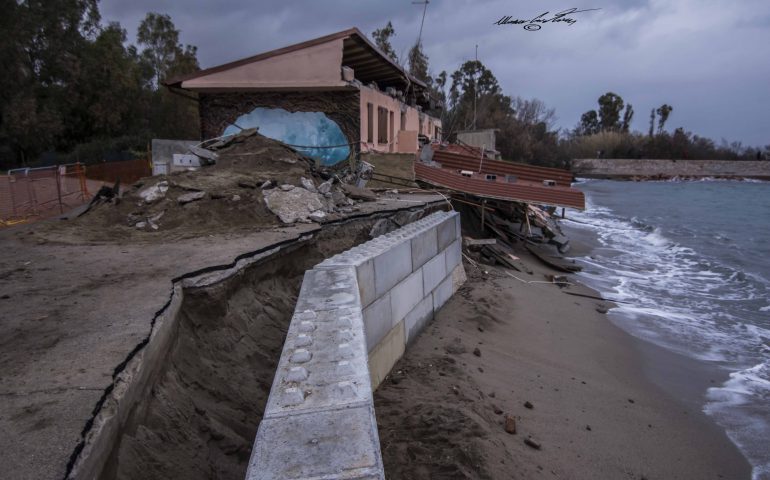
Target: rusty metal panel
point(531, 173)
point(520, 191)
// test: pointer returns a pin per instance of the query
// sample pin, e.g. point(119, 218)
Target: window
point(403, 121)
point(369, 123)
point(382, 125)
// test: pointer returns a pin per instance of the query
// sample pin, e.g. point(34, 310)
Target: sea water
point(692, 261)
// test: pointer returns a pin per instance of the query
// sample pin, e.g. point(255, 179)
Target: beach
point(579, 390)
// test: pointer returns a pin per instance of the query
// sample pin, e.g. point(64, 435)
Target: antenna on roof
point(424, 8)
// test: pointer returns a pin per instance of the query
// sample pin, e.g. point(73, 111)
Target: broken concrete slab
point(359, 193)
point(293, 205)
point(190, 197)
point(155, 192)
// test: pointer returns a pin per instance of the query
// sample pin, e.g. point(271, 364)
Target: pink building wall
point(415, 121)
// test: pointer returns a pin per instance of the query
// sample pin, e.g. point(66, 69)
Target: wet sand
point(595, 413)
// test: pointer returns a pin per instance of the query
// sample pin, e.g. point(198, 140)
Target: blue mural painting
point(308, 129)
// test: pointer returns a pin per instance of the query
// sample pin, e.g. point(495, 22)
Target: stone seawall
point(647, 168)
point(354, 316)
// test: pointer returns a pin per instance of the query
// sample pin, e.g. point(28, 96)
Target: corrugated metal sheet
point(522, 171)
point(519, 191)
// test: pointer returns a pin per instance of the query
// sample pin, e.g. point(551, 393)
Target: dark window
point(391, 127)
point(403, 120)
point(369, 123)
point(382, 125)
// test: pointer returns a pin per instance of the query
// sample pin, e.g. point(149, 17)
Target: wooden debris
point(473, 242)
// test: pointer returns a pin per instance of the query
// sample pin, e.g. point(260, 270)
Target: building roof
point(369, 63)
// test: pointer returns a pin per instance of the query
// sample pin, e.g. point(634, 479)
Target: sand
point(595, 415)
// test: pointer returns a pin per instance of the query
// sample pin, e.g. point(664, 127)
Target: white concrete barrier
point(355, 314)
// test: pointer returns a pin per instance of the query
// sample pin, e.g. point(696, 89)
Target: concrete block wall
point(355, 314)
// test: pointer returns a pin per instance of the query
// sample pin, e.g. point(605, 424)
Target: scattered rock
point(456, 389)
point(140, 225)
point(325, 187)
point(497, 411)
point(317, 216)
point(528, 405)
point(492, 394)
point(339, 198)
point(190, 197)
point(588, 427)
point(631, 400)
point(602, 309)
point(510, 425)
point(477, 352)
point(155, 192)
point(481, 329)
point(247, 184)
point(266, 185)
point(236, 198)
point(287, 187)
point(308, 185)
point(5, 297)
point(531, 443)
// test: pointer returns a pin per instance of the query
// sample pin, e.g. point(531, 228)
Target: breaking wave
point(693, 291)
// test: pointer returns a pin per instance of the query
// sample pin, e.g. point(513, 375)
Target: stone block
point(434, 272)
point(424, 247)
point(446, 233)
point(442, 293)
point(366, 289)
point(405, 296)
point(392, 266)
point(311, 367)
point(458, 229)
point(378, 320)
point(328, 289)
point(416, 320)
point(385, 354)
point(453, 255)
point(340, 444)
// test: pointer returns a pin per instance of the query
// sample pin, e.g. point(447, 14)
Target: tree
point(663, 112)
point(382, 40)
point(418, 64)
point(610, 106)
point(628, 115)
point(652, 123)
point(589, 123)
point(162, 49)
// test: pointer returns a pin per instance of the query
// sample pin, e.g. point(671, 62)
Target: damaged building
point(332, 96)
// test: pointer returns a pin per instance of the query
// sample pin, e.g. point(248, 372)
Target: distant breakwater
point(645, 169)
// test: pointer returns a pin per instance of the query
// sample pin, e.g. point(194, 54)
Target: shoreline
point(597, 411)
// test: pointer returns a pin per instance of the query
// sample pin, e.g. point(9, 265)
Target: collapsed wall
point(355, 314)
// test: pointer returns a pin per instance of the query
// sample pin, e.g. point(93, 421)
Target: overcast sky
point(709, 59)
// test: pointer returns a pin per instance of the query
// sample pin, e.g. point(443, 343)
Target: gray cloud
point(707, 59)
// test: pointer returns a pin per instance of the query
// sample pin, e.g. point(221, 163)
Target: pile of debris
point(505, 227)
point(246, 181)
